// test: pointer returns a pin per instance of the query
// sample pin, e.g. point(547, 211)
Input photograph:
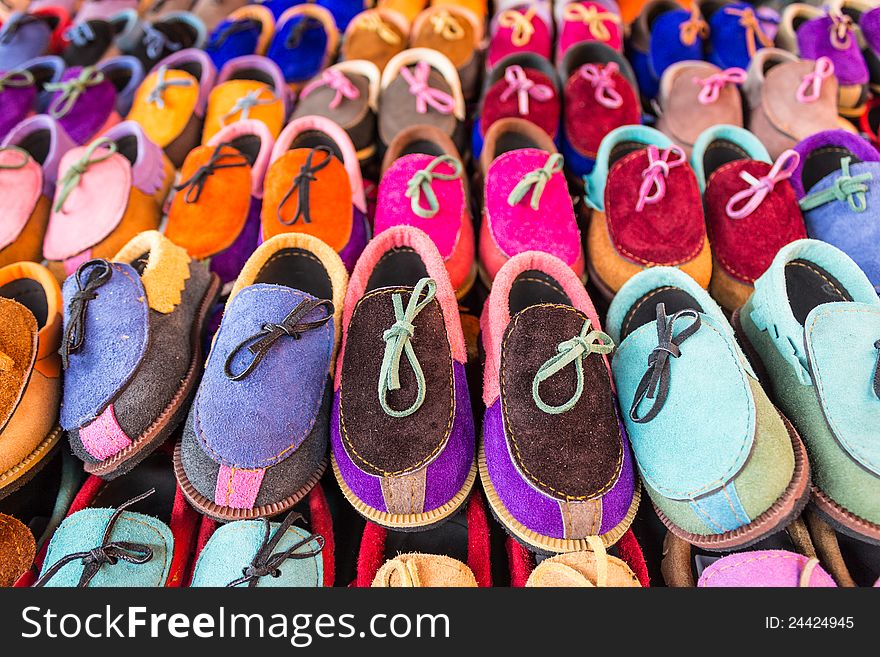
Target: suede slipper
point(520, 27)
point(107, 192)
point(403, 456)
point(375, 35)
point(664, 33)
point(595, 568)
point(850, 561)
point(829, 387)
point(813, 33)
point(84, 103)
point(765, 568)
point(24, 36)
point(158, 39)
point(292, 286)
point(212, 12)
point(646, 210)
point(424, 184)
point(598, 83)
point(125, 73)
point(789, 99)
point(555, 461)
point(527, 207)
point(30, 304)
point(45, 70)
point(408, 9)
point(507, 135)
point(17, 549)
point(456, 32)
point(722, 466)
point(305, 42)
point(171, 102)
point(29, 159)
point(751, 208)
point(246, 31)
point(838, 194)
point(150, 548)
point(456, 554)
point(524, 86)
point(18, 96)
point(421, 86)
point(314, 186)
point(866, 14)
point(248, 87)
point(215, 213)
point(582, 21)
point(347, 93)
point(131, 350)
point(89, 41)
point(735, 32)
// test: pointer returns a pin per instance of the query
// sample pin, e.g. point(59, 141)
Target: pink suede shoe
point(424, 184)
point(526, 205)
point(587, 20)
point(518, 27)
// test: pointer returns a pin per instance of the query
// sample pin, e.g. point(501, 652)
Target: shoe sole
point(407, 521)
point(25, 470)
point(170, 417)
point(549, 544)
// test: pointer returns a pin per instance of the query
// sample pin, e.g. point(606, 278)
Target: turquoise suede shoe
point(814, 323)
point(723, 468)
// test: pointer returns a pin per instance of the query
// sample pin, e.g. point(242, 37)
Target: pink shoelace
point(417, 79)
point(602, 79)
point(338, 82)
point(744, 203)
point(654, 176)
point(811, 86)
point(518, 83)
point(712, 85)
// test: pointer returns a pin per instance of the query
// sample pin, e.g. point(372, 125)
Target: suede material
point(460, 50)
point(17, 549)
point(332, 216)
point(34, 418)
point(181, 29)
point(307, 56)
point(232, 548)
point(764, 568)
point(228, 263)
point(224, 97)
point(84, 531)
point(18, 352)
point(259, 395)
point(666, 48)
point(38, 128)
point(543, 113)
point(214, 222)
point(111, 351)
point(669, 232)
point(28, 40)
point(729, 39)
point(92, 50)
point(28, 246)
point(20, 190)
point(224, 44)
point(540, 41)
point(580, 101)
point(362, 42)
point(571, 32)
point(580, 569)
point(17, 104)
point(424, 571)
point(397, 108)
point(575, 455)
point(381, 444)
point(90, 112)
point(518, 228)
point(349, 113)
point(166, 123)
point(127, 74)
point(814, 41)
point(746, 247)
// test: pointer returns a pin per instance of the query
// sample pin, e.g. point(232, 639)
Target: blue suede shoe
point(305, 42)
point(723, 467)
point(735, 32)
point(246, 31)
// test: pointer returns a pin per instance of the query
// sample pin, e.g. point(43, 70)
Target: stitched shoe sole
point(407, 521)
point(550, 544)
point(174, 412)
point(23, 471)
point(228, 514)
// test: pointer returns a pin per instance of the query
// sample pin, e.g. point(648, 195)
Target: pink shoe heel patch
point(104, 437)
point(237, 488)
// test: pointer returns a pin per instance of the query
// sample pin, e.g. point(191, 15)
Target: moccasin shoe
point(520, 27)
point(736, 32)
point(246, 31)
point(587, 20)
point(766, 568)
point(375, 35)
point(456, 32)
point(24, 36)
point(305, 42)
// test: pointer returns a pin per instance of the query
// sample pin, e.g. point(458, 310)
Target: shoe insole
point(297, 269)
point(532, 288)
point(808, 286)
point(644, 310)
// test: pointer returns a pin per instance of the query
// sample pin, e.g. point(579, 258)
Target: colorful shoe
point(347, 93)
point(520, 27)
point(408, 9)
point(744, 195)
point(722, 466)
point(765, 568)
point(297, 282)
point(45, 70)
point(375, 35)
point(587, 490)
point(789, 99)
point(525, 86)
point(424, 184)
point(249, 87)
point(599, 83)
point(25, 36)
point(696, 96)
point(30, 306)
point(171, 102)
point(215, 214)
point(159, 39)
point(246, 31)
point(664, 33)
point(305, 42)
point(121, 402)
point(837, 191)
point(527, 207)
point(646, 210)
point(89, 41)
point(456, 32)
point(421, 87)
point(736, 33)
point(866, 14)
point(83, 102)
point(423, 469)
point(17, 549)
point(813, 33)
point(585, 569)
point(314, 186)
point(417, 570)
point(579, 21)
point(18, 95)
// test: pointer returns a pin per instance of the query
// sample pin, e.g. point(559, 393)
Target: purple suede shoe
point(255, 442)
point(402, 432)
point(46, 69)
point(765, 568)
point(555, 462)
point(83, 102)
point(23, 37)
